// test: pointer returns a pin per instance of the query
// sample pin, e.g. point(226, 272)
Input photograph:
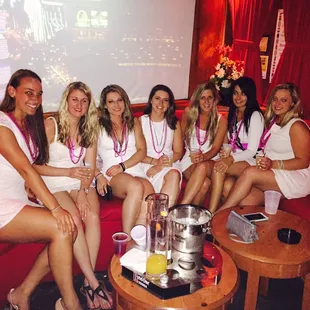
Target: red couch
point(16, 260)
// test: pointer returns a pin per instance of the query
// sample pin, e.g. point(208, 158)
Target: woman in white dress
point(204, 131)
point(285, 166)
point(121, 148)
point(21, 121)
point(245, 128)
point(72, 144)
point(162, 132)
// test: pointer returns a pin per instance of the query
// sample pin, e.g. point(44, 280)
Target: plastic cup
point(227, 149)
point(120, 240)
point(258, 157)
point(272, 199)
point(138, 234)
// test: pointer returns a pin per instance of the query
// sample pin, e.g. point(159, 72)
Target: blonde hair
point(127, 116)
point(295, 110)
point(88, 124)
point(212, 122)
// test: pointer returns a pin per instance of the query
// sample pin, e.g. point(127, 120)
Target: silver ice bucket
point(189, 225)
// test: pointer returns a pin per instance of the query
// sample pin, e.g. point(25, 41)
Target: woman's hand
point(263, 163)
point(164, 160)
point(29, 192)
point(114, 170)
point(223, 164)
point(196, 157)
point(82, 203)
point(80, 173)
point(64, 220)
point(154, 170)
point(102, 184)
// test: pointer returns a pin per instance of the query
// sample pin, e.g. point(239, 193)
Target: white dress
point(186, 160)
point(158, 132)
point(252, 139)
point(59, 157)
point(107, 157)
point(292, 183)
point(13, 196)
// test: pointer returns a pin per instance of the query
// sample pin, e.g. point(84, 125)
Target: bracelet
point(151, 161)
point(97, 175)
point(54, 209)
point(123, 166)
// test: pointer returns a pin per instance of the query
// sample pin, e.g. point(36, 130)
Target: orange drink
point(156, 265)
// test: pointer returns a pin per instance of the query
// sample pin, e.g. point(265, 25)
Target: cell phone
point(255, 217)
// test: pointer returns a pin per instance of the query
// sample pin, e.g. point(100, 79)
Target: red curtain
point(248, 20)
point(294, 64)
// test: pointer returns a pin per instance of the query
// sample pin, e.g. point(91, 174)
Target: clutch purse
point(241, 227)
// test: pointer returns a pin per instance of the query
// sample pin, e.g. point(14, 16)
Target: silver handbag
point(241, 227)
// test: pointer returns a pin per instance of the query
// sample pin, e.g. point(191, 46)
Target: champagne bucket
point(189, 224)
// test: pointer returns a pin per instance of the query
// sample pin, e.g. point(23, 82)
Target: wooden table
point(267, 257)
point(130, 296)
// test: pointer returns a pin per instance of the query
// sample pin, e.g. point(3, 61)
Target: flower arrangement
point(227, 70)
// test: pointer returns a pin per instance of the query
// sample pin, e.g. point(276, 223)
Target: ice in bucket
point(272, 199)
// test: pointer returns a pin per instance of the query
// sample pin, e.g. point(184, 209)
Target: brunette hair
point(88, 126)
point(127, 116)
point(212, 123)
point(170, 113)
point(34, 123)
point(295, 110)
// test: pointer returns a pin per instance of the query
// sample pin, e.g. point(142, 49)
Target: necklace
point(162, 143)
point(31, 145)
point(70, 145)
point(120, 147)
point(235, 133)
point(265, 136)
point(200, 141)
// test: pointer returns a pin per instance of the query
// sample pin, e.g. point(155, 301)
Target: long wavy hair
point(88, 126)
point(34, 123)
point(105, 119)
point(212, 122)
point(295, 110)
point(170, 113)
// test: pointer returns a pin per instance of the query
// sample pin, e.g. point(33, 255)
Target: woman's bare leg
point(36, 224)
point(195, 176)
point(131, 190)
point(80, 248)
point(263, 180)
point(171, 185)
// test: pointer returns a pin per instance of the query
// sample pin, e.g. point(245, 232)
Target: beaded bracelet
point(54, 209)
point(97, 175)
point(123, 166)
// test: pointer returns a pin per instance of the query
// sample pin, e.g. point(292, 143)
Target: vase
point(225, 96)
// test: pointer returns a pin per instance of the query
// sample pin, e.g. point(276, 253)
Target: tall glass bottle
point(157, 235)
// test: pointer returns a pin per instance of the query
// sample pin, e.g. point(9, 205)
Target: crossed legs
point(171, 185)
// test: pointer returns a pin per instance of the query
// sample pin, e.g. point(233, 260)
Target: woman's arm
point(177, 145)
point(218, 141)
point(255, 132)
point(300, 140)
point(183, 121)
point(90, 159)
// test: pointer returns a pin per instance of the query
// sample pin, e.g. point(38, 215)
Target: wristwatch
point(85, 190)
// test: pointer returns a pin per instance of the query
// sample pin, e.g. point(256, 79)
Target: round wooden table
point(267, 257)
point(130, 296)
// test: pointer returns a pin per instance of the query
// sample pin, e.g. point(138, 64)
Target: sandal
point(10, 300)
point(103, 294)
point(87, 291)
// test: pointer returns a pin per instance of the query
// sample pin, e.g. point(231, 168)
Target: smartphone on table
point(256, 217)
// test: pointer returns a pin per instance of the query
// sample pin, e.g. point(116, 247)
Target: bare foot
point(18, 299)
point(104, 297)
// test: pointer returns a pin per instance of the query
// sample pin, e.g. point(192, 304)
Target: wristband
point(97, 175)
point(54, 209)
point(123, 166)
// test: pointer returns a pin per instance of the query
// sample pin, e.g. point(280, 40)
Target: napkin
point(134, 259)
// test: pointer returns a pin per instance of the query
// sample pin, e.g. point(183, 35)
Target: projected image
point(133, 43)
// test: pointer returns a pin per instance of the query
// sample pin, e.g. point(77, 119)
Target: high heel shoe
point(10, 300)
point(59, 305)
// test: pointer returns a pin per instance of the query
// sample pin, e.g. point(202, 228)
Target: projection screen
point(134, 43)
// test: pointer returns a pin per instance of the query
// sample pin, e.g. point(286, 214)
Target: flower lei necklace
point(120, 147)
point(34, 150)
point(266, 135)
point(200, 141)
point(163, 138)
point(70, 145)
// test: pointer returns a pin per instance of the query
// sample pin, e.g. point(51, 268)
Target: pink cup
point(120, 240)
point(272, 199)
